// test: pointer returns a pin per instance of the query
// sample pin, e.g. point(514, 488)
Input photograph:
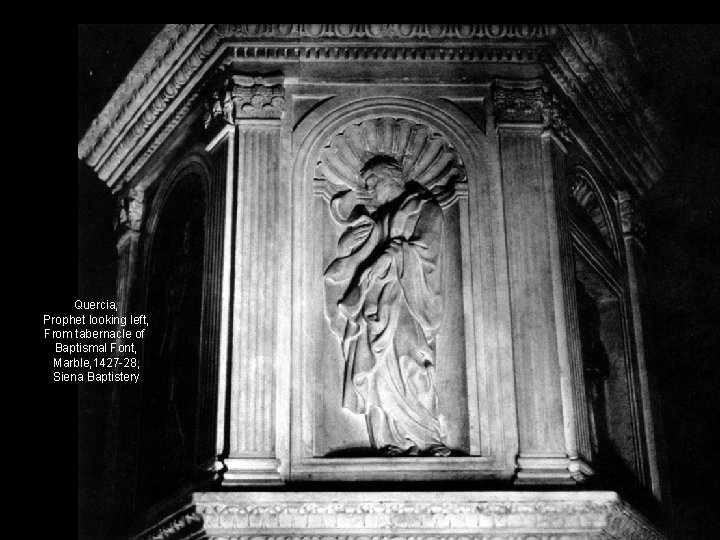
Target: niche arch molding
point(195, 165)
point(598, 205)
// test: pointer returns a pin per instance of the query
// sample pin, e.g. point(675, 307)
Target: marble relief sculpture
point(393, 275)
point(384, 301)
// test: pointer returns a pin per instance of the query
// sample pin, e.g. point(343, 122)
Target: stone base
point(255, 515)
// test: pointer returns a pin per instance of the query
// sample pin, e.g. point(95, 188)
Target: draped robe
point(386, 306)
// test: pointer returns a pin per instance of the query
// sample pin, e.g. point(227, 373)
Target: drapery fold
point(385, 302)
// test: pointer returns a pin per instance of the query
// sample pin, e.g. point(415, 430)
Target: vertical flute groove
point(263, 363)
point(531, 302)
point(581, 412)
point(256, 278)
point(250, 287)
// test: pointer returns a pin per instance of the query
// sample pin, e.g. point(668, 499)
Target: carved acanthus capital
point(246, 97)
point(529, 104)
point(519, 104)
point(131, 207)
point(630, 217)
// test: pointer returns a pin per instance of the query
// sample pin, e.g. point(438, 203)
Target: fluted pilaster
point(120, 448)
point(251, 110)
point(254, 299)
point(577, 432)
point(633, 229)
point(538, 292)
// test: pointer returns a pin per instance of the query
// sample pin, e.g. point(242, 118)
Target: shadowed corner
point(367, 452)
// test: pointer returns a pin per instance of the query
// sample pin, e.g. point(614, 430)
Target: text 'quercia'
point(82, 352)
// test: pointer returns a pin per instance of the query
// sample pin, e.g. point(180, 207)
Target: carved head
point(383, 178)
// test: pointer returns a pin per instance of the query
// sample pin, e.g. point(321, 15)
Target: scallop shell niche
point(425, 156)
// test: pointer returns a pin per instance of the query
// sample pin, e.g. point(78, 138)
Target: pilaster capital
point(529, 102)
point(131, 206)
point(631, 218)
point(239, 97)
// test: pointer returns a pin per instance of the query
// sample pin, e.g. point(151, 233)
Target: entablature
point(166, 82)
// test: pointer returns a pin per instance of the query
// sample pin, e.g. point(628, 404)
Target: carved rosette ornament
point(630, 217)
point(425, 157)
point(532, 105)
point(244, 97)
point(130, 215)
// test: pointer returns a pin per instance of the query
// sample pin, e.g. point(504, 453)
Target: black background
point(680, 75)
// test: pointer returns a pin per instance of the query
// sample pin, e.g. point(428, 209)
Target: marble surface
point(404, 515)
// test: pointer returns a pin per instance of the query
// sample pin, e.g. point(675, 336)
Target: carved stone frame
point(609, 267)
point(194, 161)
point(486, 317)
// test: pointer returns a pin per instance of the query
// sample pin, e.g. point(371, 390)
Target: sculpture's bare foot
point(392, 451)
point(438, 450)
point(395, 451)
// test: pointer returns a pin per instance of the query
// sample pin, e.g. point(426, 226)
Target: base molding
point(251, 472)
point(438, 515)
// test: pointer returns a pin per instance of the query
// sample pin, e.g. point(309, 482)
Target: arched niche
point(429, 163)
point(605, 346)
point(592, 210)
point(174, 271)
point(440, 153)
point(609, 374)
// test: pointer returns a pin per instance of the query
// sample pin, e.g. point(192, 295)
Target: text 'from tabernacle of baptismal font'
point(96, 345)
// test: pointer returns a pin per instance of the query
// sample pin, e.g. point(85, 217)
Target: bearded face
point(384, 181)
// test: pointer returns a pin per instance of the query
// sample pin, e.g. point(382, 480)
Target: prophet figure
point(596, 366)
point(385, 303)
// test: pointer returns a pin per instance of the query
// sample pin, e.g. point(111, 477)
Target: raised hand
point(356, 235)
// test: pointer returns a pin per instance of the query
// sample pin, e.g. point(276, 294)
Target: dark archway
point(172, 349)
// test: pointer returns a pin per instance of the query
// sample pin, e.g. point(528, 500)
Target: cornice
point(601, 95)
point(179, 51)
point(392, 31)
point(157, 93)
point(446, 515)
point(165, 50)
